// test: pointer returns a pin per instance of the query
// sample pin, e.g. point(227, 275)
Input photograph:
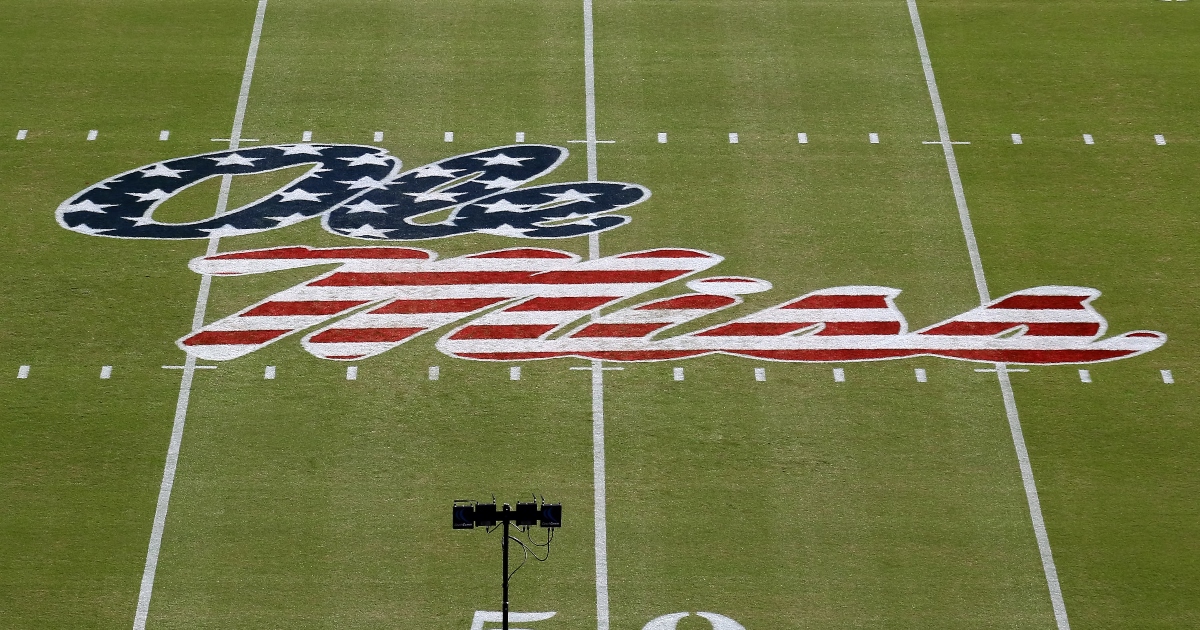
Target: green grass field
point(311, 501)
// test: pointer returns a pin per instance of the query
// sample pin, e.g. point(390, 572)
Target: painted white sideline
point(1010, 402)
point(164, 135)
point(189, 367)
point(839, 375)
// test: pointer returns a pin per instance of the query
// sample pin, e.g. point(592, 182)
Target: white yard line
point(189, 366)
point(599, 493)
point(1010, 401)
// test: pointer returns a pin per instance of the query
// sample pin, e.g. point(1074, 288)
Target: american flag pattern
point(532, 303)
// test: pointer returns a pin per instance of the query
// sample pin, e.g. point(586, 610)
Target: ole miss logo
point(525, 303)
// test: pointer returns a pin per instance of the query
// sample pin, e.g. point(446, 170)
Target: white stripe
point(760, 374)
point(92, 135)
point(306, 136)
point(269, 373)
point(21, 133)
point(23, 371)
point(1016, 139)
point(1166, 376)
point(802, 138)
point(733, 138)
point(434, 372)
point(378, 137)
point(520, 136)
point(514, 373)
point(839, 375)
point(106, 372)
point(939, 114)
point(920, 373)
point(448, 136)
point(189, 366)
point(873, 138)
point(1160, 139)
point(164, 135)
point(598, 481)
point(599, 495)
point(678, 374)
point(1010, 403)
point(352, 373)
point(1085, 376)
point(1031, 495)
point(1087, 139)
point(662, 137)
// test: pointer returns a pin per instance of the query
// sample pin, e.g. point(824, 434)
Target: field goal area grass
point(800, 146)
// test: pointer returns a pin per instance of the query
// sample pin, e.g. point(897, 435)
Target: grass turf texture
point(310, 501)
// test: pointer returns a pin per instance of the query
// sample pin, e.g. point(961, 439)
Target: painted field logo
point(527, 303)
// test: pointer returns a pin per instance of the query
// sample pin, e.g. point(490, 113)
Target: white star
point(300, 149)
point(290, 219)
point(506, 230)
point(435, 170)
point(161, 170)
point(233, 159)
point(87, 229)
point(141, 220)
point(300, 194)
point(571, 195)
point(367, 230)
point(434, 196)
point(503, 205)
point(370, 158)
point(364, 182)
point(500, 158)
point(229, 230)
point(499, 182)
point(367, 206)
point(154, 195)
point(87, 205)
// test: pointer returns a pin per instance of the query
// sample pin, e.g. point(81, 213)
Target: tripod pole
point(504, 620)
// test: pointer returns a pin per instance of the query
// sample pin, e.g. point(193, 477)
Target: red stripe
point(563, 304)
point(754, 329)
point(840, 301)
point(860, 328)
point(456, 305)
point(510, 331)
point(619, 330)
point(972, 328)
point(1064, 329)
point(523, 252)
point(351, 335)
point(1043, 302)
point(698, 300)
point(668, 253)
point(314, 307)
point(286, 253)
point(233, 337)
point(435, 278)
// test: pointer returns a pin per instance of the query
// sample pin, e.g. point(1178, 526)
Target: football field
point(864, 314)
